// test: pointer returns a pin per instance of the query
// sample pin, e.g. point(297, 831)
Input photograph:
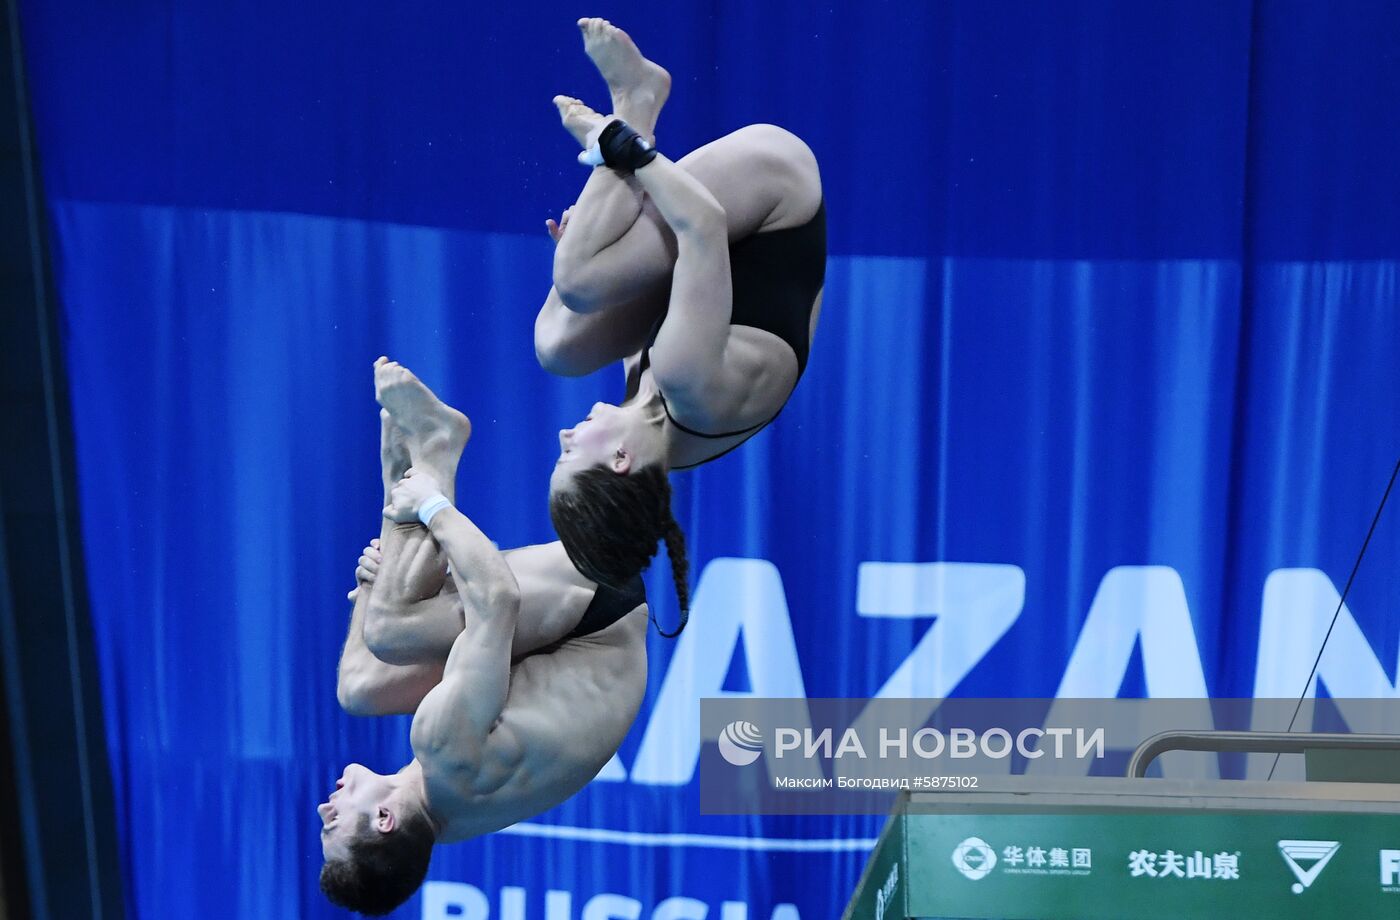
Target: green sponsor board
point(881, 891)
point(1134, 865)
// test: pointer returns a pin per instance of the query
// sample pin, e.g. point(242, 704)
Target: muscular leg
point(617, 254)
point(415, 613)
point(608, 214)
point(368, 684)
point(416, 429)
point(412, 615)
point(418, 570)
point(573, 344)
point(610, 203)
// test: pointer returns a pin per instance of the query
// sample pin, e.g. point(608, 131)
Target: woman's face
point(593, 441)
point(610, 436)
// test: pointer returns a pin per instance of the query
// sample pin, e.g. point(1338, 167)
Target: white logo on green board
point(1317, 853)
point(1171, 864)
point(973, 858)
point(1043, 860)
point(1390, 869)
point(886, 893)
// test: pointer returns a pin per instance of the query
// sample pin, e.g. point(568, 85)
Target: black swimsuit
point(776, 276)
point(610, 605)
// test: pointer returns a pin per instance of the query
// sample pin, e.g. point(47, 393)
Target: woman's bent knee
point(558, 352)
point(577, 286)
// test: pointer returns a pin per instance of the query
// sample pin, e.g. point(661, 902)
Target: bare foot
point(435, 433)
point(639, 87)
point(579, 120)
point(394, 460)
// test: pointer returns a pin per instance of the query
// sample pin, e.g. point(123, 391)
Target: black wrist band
point(623, 148)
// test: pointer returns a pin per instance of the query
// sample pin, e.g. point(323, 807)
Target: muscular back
point(567, 710)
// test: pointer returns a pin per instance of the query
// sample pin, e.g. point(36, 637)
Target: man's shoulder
point(462, 770)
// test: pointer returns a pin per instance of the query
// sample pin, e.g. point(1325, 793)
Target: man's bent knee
point(390, 639)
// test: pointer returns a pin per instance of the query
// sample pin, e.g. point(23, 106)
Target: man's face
point(359, 797)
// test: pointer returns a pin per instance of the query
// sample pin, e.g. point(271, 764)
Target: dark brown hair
point(610, 523)
point(383, 870)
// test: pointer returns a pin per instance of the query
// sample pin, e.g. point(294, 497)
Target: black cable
point(1318, 660)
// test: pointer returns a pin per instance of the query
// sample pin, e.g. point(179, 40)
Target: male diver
point(522, 676)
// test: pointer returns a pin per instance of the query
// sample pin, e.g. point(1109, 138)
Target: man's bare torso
point(571, 702)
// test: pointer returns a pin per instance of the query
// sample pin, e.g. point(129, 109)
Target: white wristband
point(431, 506)
point(593, 156)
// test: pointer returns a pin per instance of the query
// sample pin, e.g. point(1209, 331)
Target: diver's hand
point(556, 230)
point(367, 569)
point(409, 494)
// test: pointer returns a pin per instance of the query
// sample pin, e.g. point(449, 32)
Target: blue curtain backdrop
point(1112, 300)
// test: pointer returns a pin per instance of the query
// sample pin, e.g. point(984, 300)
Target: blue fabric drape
point(1110, 285)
